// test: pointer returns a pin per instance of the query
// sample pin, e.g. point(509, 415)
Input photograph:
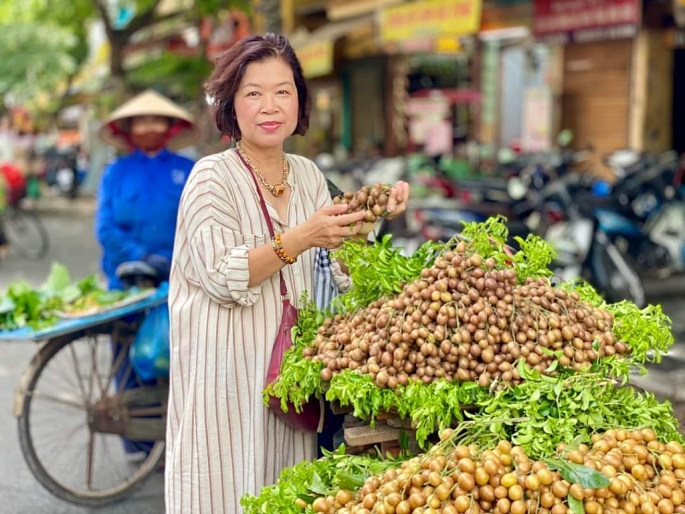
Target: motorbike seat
point(137, 274)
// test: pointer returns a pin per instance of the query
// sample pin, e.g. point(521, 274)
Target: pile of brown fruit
point(465, 320)
point(372, 199)
point(644, 476)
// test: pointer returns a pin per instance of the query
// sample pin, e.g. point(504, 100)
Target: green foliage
point(36, 58)
point(23, 306)
point(543, 412)
point(489, 239)
point(309, 480)
point(176, 75)
point(539, 414)
point(379, 270)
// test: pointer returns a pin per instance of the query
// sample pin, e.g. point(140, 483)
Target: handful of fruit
point(371, 199)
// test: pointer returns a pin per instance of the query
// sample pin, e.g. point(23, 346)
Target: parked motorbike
point(574, 230)
point(644, 212)
point(63, 171)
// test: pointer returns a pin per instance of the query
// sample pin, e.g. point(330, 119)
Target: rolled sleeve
point(217, 247)
point(223, 267)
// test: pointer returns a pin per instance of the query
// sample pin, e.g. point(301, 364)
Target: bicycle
point(92, 405)
point(25, 233)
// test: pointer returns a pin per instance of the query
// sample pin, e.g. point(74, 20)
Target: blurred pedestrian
point(249, 218)
point(140, 192)
point(139, 196)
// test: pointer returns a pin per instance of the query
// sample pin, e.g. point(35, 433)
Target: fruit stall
point(476, 382)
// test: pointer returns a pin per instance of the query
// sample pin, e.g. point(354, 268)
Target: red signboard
point(586, 20)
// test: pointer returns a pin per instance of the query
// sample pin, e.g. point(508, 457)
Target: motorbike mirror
point(516, 189)
point(564, 138)
point(506, 156)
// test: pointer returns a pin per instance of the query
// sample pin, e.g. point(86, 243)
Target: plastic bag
point(149, 353)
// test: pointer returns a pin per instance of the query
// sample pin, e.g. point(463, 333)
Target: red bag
point(310, 418)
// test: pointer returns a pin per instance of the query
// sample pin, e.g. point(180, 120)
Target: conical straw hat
point(150, 103)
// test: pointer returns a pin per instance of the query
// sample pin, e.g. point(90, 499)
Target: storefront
point(677, 43)
point(432, 43)
point(317, 59)
point(346, 96)
point(510, 63)
point(598, 51)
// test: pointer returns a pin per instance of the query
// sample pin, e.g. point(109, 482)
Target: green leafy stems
point(554, 409)
point(24, 306)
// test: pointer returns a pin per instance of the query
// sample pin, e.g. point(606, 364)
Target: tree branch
point(100, 6)
point(159, 19)
point(143, 19)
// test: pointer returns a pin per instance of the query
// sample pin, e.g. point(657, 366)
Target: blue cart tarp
point(68, 326)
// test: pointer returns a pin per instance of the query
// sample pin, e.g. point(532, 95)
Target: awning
point(331, 31)
point(346, 9)
point(315, 49)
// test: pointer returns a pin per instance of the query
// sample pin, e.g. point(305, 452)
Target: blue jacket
point(137, 208)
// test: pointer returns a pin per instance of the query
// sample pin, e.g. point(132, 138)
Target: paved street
point(72, 243)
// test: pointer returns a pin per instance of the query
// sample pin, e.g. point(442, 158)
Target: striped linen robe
point(222, 441)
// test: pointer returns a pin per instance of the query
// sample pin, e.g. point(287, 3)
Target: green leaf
point(575, 444)
point(404, 441)
point(350, 481)
point(579, 474)
point(316, 485)
point(6, 305)
point(70, 293)
point(58, 279)
point(576, 506)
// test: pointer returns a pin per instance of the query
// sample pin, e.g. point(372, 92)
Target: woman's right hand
point(329, 227)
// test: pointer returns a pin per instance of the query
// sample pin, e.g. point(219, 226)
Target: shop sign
point(583, 21)
point(316, 58)
point(429, 19)
point(538, 106)
point(498, 16)
point(426, 116)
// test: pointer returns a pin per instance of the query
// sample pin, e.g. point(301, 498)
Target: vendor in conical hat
point(149, 122)
point(140, 192)
point(139, 197)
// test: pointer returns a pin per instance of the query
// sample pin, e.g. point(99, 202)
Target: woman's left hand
point(397, 200)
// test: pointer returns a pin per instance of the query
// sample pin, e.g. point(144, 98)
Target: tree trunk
point(270, 10)
point(117, 79)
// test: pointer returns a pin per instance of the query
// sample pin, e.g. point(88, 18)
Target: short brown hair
point(229, 71)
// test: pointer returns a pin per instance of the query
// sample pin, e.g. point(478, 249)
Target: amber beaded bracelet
point(280, 251)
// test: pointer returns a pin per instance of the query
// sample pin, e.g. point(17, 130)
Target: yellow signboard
point(429, 19)
point(316, 58)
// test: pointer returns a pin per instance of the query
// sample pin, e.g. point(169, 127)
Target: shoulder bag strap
point(265, 210)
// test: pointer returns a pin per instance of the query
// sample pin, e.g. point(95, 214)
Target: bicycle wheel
point(26, 234)
point(73, 419)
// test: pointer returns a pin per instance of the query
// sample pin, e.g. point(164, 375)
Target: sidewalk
point(59, 206)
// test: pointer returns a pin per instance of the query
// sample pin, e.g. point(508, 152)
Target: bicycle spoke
point(58, 400)
point(78, 372)
point(89, 463)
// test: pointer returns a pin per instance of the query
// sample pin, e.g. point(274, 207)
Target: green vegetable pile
point(555, 372)
point(25, 306)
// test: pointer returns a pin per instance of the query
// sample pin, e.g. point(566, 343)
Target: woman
point(139, 196)
point(225, 305)
point(140, 192)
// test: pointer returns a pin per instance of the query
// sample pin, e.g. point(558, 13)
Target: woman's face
point(266, 103)
point(149, 133)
